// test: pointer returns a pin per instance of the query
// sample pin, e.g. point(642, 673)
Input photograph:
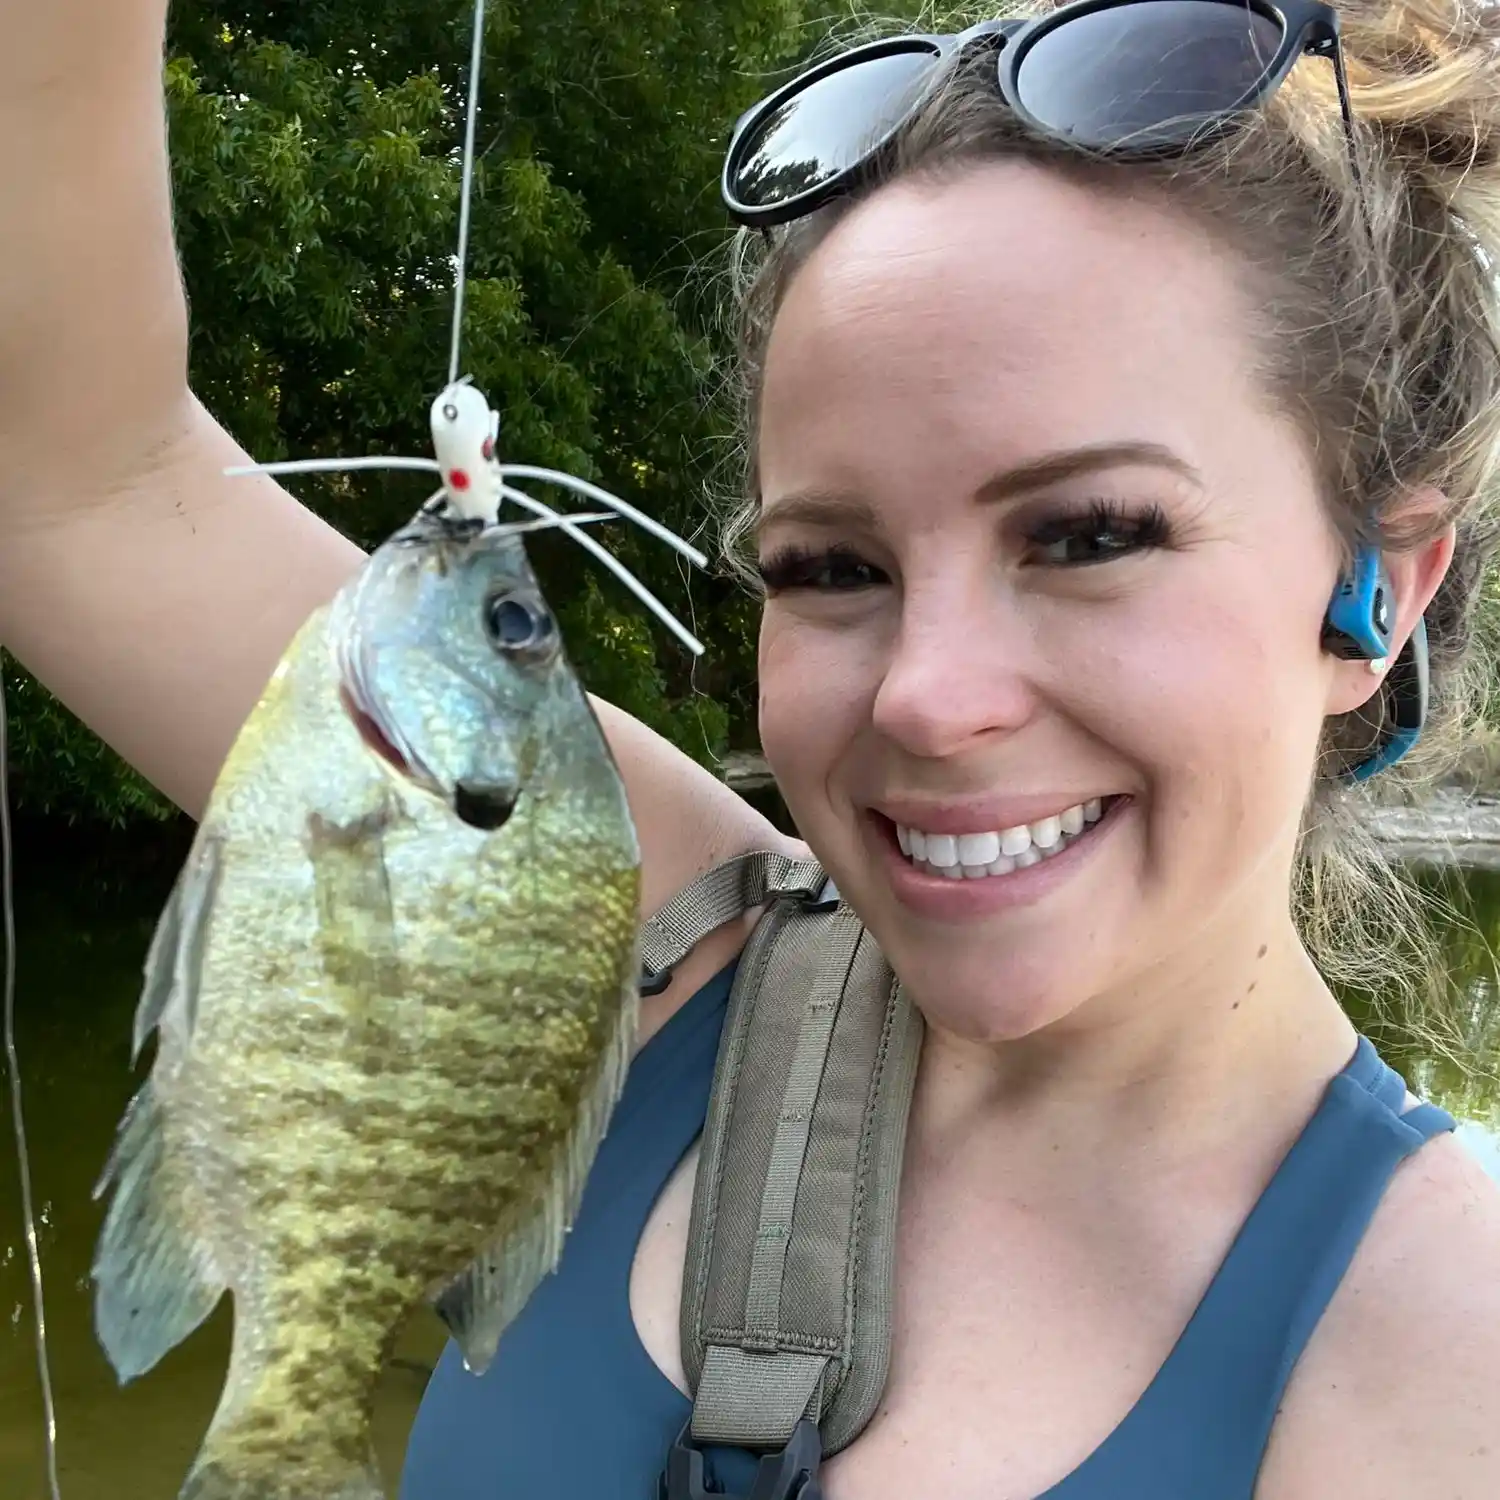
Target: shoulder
point(1398, 1394)
point(688, 821)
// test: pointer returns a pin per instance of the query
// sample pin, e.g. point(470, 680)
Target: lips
point(958, 887)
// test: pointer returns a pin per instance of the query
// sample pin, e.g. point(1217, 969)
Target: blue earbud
point(1358, 628)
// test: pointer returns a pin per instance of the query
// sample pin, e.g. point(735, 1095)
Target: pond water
point(86, 909)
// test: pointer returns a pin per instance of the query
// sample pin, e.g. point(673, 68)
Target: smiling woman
point(1173, 397)
point(1115, 426)
point(1113, 508)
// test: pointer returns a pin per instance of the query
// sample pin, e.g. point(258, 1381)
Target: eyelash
point(1124, 531)
point(798, 567)
point(1129, 530)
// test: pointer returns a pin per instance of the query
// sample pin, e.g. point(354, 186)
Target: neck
point(1237, 1023)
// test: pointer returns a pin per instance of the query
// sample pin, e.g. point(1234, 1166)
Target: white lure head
point(464, 430)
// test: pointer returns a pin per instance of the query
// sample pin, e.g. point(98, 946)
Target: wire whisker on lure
point(552, 523)
point(518, 471)
point(333, 466)
point(610, 561)
point(603, 497)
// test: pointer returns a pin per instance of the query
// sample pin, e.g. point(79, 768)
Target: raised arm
point(150, 593)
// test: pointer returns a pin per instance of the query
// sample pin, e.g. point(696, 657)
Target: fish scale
point(388, 1041)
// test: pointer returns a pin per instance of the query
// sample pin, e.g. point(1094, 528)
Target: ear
point(1415, 574)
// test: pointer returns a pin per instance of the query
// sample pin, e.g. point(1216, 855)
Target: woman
point(1055, 465)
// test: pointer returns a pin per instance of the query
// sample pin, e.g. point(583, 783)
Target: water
point(85, 914)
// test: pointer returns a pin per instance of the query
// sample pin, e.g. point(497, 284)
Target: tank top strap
point(1202, 1426)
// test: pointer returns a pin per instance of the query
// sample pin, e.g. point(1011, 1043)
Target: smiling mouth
point(990, 853)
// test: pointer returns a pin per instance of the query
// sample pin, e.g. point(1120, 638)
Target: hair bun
point(1424, 77)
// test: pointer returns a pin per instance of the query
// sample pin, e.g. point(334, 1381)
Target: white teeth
point(1015, 841)
point(942, 849)
point(978, 848)
point(972, 856)
point(1046, 833)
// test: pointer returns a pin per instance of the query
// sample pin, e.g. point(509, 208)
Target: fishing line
point(17, 1115)
point(466, 190)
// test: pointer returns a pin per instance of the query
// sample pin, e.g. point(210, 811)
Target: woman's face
point(1047, 575)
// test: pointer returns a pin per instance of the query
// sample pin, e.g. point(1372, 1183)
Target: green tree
point(315, 151)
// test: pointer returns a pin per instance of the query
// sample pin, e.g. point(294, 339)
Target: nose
point(958, 672)
point(484, 805)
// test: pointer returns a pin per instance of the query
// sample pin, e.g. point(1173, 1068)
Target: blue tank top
point(573, 1408)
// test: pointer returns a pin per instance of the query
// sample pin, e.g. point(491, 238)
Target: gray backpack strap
point(786, 1305)
point(718, 896)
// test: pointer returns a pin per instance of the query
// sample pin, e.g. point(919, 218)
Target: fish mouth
point(484, 806)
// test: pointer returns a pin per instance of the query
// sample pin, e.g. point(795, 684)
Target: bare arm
point(156, 603)
point(153, 595)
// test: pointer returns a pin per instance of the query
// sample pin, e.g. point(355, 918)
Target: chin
point(985, 992)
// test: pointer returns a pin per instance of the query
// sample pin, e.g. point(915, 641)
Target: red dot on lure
point(489, 448)
point(457, 479)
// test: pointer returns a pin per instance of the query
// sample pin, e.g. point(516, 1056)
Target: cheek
point(1221, 703)
point(816, 690)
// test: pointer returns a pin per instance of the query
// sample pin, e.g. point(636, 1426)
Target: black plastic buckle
point(827, 899)
point(653, 981)
point(791, 1474)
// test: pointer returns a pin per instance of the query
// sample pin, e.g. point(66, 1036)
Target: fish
point(393, 996)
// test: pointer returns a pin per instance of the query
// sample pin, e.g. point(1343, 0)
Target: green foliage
point(315, 153)
point(59, 769)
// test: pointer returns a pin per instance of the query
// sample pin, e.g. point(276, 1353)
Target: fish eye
point(450, 412)
point(516, 623)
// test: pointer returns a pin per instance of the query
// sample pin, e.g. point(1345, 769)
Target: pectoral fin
point(356, 925)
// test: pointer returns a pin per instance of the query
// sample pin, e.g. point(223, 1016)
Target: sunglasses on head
point(1137, 79)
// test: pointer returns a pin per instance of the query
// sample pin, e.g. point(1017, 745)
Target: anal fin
point(153, 1284)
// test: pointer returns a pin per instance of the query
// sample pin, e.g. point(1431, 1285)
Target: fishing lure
point(466, 431)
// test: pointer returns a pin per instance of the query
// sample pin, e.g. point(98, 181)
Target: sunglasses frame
point(1309, 28)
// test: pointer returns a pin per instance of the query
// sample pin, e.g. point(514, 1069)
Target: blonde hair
point(1379, 333)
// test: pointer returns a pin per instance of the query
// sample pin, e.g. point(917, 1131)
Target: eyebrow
point(832, 508)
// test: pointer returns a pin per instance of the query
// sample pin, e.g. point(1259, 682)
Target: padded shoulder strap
point(786, 1306)
point(718, 896)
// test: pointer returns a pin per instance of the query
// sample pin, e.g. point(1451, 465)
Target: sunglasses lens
point(1148, 74)
point(828, 127)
